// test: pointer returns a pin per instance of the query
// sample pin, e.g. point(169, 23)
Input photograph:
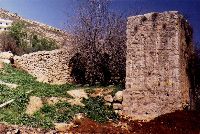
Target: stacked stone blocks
point(158, 49)
point(47, 66)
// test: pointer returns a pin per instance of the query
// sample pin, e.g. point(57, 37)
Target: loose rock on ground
point(34, 105)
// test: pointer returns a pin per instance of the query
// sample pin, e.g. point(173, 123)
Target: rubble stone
point(47, 66)
point(117, 106)
point(108, 98)
point(7, 61)
point(118, 96)
point(1, 65)
point(6, 55)
point(54, 100)
point(78, 93)
point(35, 103)
point(119, 112)
point(10, 85)
point(108, 104)
point(63, 127)
point(76, 102)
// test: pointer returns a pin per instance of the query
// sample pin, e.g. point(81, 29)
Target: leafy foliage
point(39, 44)
point(8, 43)
point(96, 110)
point(17, 31)
point(20, 41)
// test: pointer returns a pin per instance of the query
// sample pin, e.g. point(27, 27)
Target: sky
point(58, 13)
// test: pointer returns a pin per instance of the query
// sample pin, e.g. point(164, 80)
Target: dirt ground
point(179, 122)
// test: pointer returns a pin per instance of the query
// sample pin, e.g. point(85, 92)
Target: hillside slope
point(39, 28)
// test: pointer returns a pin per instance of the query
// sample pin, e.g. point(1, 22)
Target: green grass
point(96, 110)
point(14, 113)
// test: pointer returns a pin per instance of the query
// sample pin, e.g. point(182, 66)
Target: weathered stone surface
point(108, 104)
point(101, 92)
point(47, 66)
point(108, 98)
point(1, 65)
point(35, 103)
point(6, 55)
point(77, 119)
point(63, 127)
point(54, 100)
point(76, 102)
point(10, 85)
point(119, 112)
point(158, 49)
point(117, 106)
point(78, 93)
point(118, 96)
point(5, 61)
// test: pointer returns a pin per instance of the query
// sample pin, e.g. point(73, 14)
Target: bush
point(19, 41)
point(8, 43)
point(39, 44)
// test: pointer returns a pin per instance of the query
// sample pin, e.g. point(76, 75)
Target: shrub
point(39, 44)
point(20, 41)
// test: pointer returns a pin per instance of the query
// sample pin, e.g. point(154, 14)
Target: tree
point(100, 33)
point(19, 40)
point(8, 43)
point(18, 32)
point(195, 77)
point(78, 68)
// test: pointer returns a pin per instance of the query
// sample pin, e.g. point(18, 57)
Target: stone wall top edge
point(147, 15)
point(43, 52)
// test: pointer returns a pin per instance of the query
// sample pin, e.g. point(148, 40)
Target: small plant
point(96, 110)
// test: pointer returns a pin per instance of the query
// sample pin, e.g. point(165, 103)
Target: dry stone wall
point(47, 66)
point(159, 46)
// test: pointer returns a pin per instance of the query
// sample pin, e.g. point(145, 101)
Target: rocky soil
point(179, 122)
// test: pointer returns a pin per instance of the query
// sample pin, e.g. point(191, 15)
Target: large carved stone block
point(159, 46)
